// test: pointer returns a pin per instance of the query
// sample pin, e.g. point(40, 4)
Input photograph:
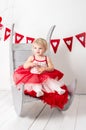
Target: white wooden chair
point(18, 55)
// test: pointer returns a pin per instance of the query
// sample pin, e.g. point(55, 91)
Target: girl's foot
point(61, 91)
point(39, 94)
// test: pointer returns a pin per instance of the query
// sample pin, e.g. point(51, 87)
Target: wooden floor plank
point(81, 116)
point(41, 116)
point(42, 120)
point(10, 121)
point(3, 96)
point(63, 120)
point(55, 120)
point(21, 123)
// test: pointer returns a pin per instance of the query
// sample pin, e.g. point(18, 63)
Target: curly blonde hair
point(41, 41)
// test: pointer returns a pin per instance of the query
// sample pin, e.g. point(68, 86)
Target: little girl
point(40, 77)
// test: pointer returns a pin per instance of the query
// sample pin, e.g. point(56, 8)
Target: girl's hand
point(33, 65)
point(41, 69)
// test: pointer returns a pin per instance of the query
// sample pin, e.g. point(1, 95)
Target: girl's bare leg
point(38, 89)
point(55, 85)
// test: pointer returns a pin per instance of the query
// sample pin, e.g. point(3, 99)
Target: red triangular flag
point(1, 26)
point(82, 38)
point(0, 19)
point(18, 38)
point(29, 39)
point(55, 44)
point(68, 41)
point(7, 33)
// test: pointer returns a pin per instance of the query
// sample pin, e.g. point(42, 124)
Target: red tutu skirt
point(52, 98)
point(24, 76)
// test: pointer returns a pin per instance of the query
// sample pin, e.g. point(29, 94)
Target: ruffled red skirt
point(24, 76)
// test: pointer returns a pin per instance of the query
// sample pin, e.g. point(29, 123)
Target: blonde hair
point(41, 41)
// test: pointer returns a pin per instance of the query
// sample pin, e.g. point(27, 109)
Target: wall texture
point(34, 18)
point(6, 8)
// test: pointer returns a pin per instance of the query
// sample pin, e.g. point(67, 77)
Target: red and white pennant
point(7, 33)
point(29, 39)
point(18, 38)
point(82, 38)
point(68, 41)
point(55, 44)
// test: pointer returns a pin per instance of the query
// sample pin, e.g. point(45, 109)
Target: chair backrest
point(20, 52)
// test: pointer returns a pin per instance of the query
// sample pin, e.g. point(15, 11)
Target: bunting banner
point(1, 26)
point(7, 33)
point(55, 44)
point(29, 39)
point(82, 38)
point(18, 38)
point(68, 41)
point(0, 19)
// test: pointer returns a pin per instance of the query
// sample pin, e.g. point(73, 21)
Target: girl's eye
point(34, 47)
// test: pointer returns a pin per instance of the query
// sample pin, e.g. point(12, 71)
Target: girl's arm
point(50, 66)
point(29, 63)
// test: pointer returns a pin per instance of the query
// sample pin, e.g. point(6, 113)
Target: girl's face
point(38, 49)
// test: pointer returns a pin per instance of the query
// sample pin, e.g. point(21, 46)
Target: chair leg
point(71, 88)
point(17, 100)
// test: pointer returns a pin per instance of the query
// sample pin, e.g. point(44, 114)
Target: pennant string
point(82, 38)
point(18, 38)
point(54, 42)
point(7, 33)
point(68, 41)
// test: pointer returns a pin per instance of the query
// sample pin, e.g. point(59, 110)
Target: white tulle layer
point(50, 85)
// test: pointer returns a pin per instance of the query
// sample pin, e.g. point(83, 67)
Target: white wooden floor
point(41, 116)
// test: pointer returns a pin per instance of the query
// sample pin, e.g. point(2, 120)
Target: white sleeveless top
point(42, 63)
